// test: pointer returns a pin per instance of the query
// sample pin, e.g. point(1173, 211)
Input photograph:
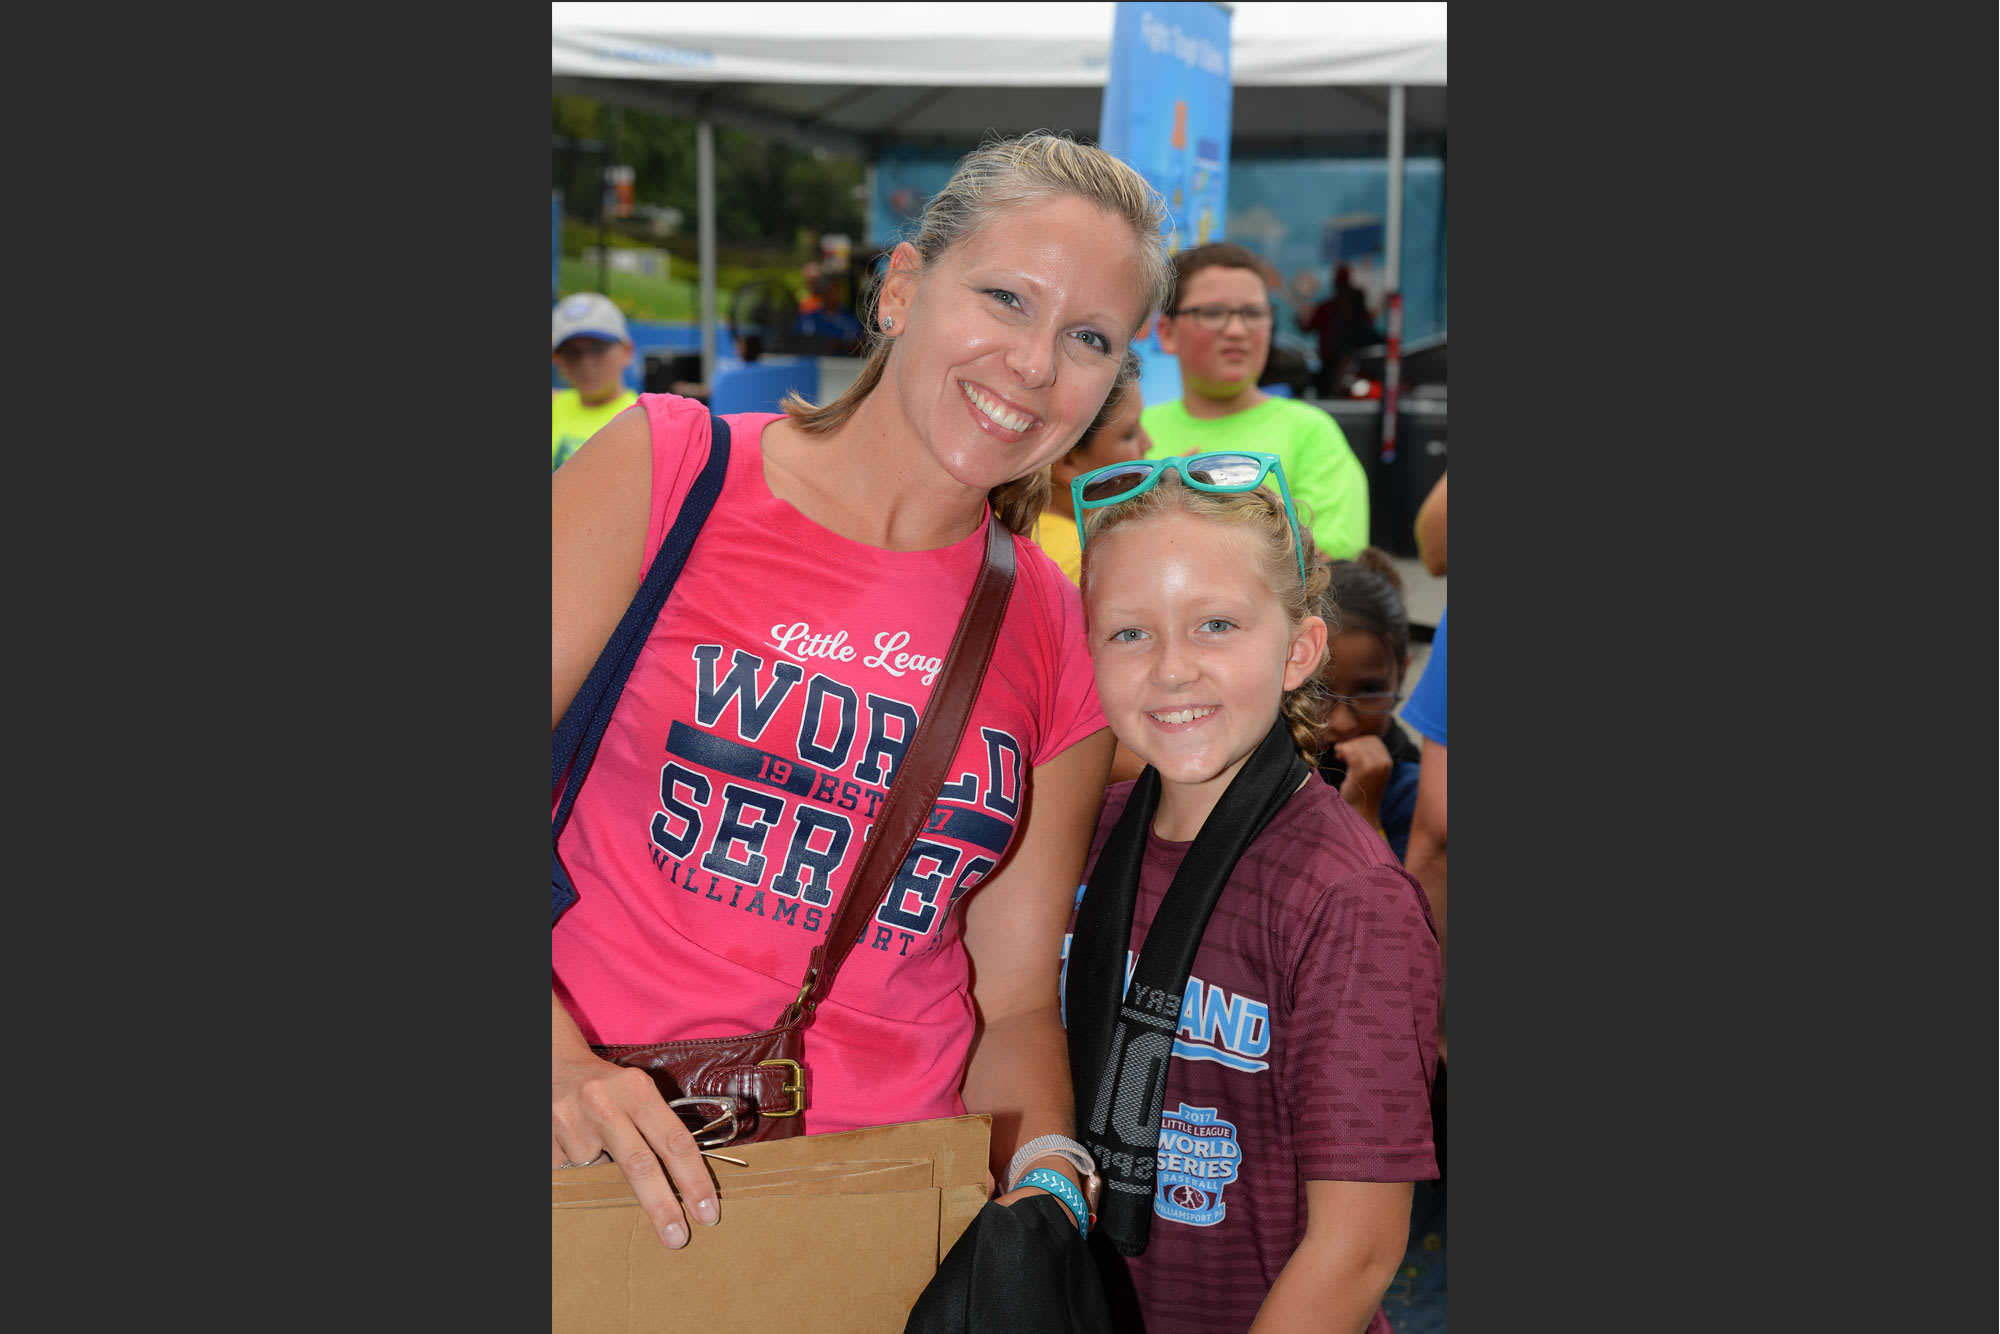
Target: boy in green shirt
point(1220, 329)
point(591, 347)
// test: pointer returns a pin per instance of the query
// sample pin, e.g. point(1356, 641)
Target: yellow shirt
point(1056, 534)
point(574, 423)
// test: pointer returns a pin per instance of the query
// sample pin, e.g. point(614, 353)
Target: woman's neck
point(871, 480)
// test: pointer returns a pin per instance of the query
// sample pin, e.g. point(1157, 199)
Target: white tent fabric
point(977, 45)
point(852, 78)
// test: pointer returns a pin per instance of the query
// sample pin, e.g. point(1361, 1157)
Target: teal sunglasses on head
point(1225, 472)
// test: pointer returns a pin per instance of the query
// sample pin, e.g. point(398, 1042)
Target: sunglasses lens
point(1115, 481)
point(1227, 470)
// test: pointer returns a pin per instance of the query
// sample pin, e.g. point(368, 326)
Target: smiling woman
point(743, 767)
point(1014, 296)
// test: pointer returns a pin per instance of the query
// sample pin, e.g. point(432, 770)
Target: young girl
point(1114, 437)
point(1255, 1093)
point(1364, 751)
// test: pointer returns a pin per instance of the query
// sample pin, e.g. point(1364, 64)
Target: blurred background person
point(1220, 330)
point(591, 347)
point(1343, 324)
point(1115, 436)
point(1430, 529)
point(1364, 751)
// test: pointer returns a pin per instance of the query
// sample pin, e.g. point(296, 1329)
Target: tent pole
point(1392, 281)
point(704, 172)
point(1392, 272)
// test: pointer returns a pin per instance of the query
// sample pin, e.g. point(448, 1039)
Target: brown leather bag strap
point(913, 791)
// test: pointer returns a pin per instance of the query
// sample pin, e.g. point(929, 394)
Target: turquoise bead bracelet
point(1060, 1186)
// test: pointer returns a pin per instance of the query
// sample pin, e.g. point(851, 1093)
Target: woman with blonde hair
point(803, 637)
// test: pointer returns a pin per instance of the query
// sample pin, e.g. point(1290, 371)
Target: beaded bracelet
point(1060, 1186)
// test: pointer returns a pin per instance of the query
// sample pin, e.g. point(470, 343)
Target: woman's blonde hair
point(997, 176)
point(1262, 514)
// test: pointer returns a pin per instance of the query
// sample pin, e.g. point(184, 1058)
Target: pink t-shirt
point(750, 750)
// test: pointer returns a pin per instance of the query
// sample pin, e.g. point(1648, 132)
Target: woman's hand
point(598, 1107)
point(1368, 765)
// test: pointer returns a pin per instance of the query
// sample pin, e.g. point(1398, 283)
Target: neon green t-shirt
point(1329, 488)
point(575, 423)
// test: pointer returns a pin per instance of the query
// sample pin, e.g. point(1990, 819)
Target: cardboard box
point(833, 1233)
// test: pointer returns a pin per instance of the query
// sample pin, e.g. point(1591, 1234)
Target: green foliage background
point(772, 203)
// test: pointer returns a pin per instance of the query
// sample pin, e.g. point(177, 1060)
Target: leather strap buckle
point(794, 1085)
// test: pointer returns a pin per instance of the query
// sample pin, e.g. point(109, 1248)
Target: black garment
point(1121, 1033)
point(1403, 749)
point(1018, 1269)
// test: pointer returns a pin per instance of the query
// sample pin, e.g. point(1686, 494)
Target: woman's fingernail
point(705, 1211)
point(675, 1235)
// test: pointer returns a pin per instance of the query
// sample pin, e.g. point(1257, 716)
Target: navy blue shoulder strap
point(576, 737)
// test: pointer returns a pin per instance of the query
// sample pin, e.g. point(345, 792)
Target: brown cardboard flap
point(957, 1143)
point(786, 1246)
point(735, 1183)
point(790, 1262)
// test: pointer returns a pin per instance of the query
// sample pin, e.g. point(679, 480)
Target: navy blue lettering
point(881, 745)
point(1002, 777)
point(673, 776)
point(818, 690)
point(924, 885)
point(753, 714)
point(784, 911)
point(882, 938)
point(812, 919)
point(974, 872)
point(734, 828)
point(802, 856)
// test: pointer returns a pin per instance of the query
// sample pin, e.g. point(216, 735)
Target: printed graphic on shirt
point(1215, 1025)
point(1199, 1156)
point(762, 824)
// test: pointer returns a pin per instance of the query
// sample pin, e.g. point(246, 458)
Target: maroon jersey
point(1306, 1051)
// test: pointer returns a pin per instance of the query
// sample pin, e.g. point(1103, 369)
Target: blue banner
point(1167, 101)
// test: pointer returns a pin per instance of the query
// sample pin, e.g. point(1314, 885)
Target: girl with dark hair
point(1364, 751)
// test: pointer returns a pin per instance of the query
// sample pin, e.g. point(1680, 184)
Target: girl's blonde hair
point(998, 176)
point(1262, 514)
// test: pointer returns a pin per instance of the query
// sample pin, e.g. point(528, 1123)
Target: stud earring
point(888, 321)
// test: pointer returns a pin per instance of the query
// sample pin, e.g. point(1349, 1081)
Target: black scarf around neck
point(1120, 1039)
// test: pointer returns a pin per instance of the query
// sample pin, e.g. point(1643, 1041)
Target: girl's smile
point(1193, 654)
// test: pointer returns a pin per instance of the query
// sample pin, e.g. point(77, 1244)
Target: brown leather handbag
point(757, 1086)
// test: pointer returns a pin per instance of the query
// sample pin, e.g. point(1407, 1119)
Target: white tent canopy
point(853, 78)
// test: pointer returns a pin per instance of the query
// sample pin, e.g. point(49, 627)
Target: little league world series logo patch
point(1198, 1157)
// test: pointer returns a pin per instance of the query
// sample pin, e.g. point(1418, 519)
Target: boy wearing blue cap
point(591, 347)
